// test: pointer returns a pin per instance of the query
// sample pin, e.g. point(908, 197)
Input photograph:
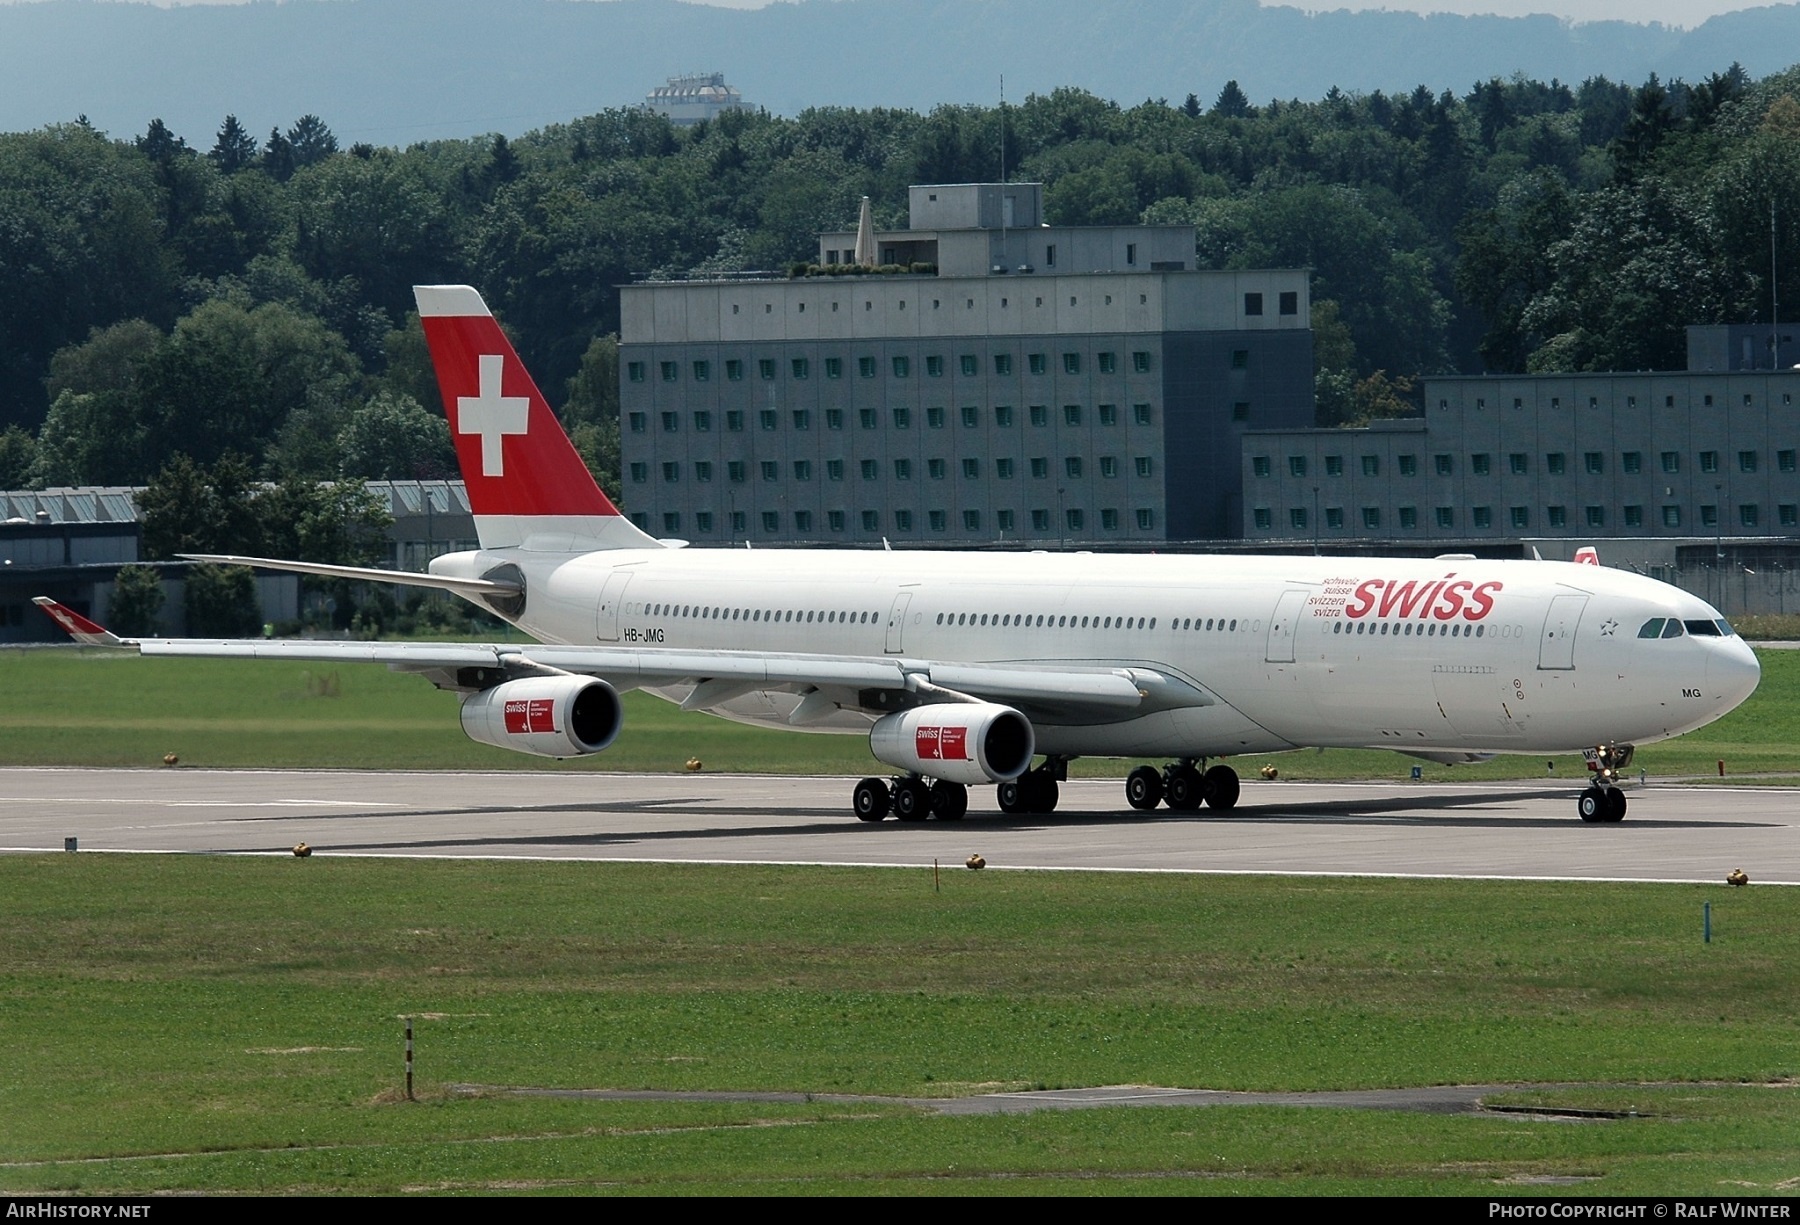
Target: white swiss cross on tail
point(492, 415)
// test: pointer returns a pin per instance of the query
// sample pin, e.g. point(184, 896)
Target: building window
point(871, 521)
point(1594, 462)
point(1253, 304)
point(738, 519)
point(971, 416)
point(1072, 465)
point(734, 471)
point(1671, 461)
point(1003, 469)
point(971, 521)
point(1130, 253)
point(1140, 361)
point(1040, 468)
point(934, 418)
point(937, 519)
point(803, 418)
point(771, 471)
point(1789, 513)
point(866, 418)
point(1040, 520)
point(1557, 516)
point(765, 368)
point(1296, 465)
point(1240, 359)
point(702, 470)
point(1709, 461)
point(734, 370)
point(1140, 414)
point(640, 473)
point(1259, 465)
point(936, 469)
point(671, 423)
point(1050, 255)
point(670, 371)
point(1747, 514)
point(1371, 517)
point(634, 371)
point(1109, 466)
point(1334, 517)
point(1409, 518)
point(703, 522)
point(1520, 517)
point(1289, 302)
point(1036, 363)
point(636, 421)
point(1264, 519)
point(702, 371)
point(1409, 465)
point(1634, 516)
point(1002, 364)
point(671, 521)
point(1143, 465)
point(1746, 461)
point(834, 369)
point(865, 367)
point(1443, 464)
point(803, 470)
point(1596, 516)
point(1518, 462)
point(1784, 460)
point(971, 365)
point(803, 521)
point(1071, 363)
point(1003, 416)
point(1109, 519)
point(702, 422)
point(768, 418)
point(1040, 415)
point(1297, 518)
point(1631, 462)
point(1240, 411)
point(801, 367)
point(902, 366)
point(1109, 414)
point(1709, 516)
point(934, 367)
point(1075, 519)
point(1671, 516)
point(1071, 414)
point(971, 469)
point(1553, 463)
point(1446, 517)
point(1107, 362)
point(871, 470)
point(834, 469)
point(1371, 465)
point(834, 418)
point(1481, 517)
point(903, 418)
point(1334, 465)
point(1146, 519)
point(903, 470)
point(1479, 462)
point(771, 521)
point(834, 519)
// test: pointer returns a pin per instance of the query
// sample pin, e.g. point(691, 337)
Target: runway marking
point(142, 802)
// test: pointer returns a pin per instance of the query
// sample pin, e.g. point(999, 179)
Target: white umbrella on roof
point(865, 234)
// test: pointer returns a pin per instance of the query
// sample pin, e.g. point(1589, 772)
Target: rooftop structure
point(687, 100)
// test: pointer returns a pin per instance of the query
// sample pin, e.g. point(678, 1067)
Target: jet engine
point(976, 742)
point(546, 716)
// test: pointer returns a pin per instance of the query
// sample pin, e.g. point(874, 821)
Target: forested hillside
point(236, 294)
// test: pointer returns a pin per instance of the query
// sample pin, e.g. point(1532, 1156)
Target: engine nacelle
point(975, 742)
point(546, 716)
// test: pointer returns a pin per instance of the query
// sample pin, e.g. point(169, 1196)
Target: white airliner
point(966, 668)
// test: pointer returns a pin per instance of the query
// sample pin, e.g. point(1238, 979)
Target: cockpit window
point(1672, 629)
point(1702, 629)
point(1725, 627)
point(1653, 628)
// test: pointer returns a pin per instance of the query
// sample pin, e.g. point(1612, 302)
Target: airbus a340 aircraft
point(963, 669)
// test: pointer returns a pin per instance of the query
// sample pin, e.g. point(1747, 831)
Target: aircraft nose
point(1732, 673)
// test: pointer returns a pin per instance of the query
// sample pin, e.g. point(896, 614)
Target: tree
point(278, 157)
point(1231, 102)
point(91, 438)
point(311, 141)
point(106, 361)
point(594, 389)
point(137, 600)
point(391, 437)
point(18, 458)
point(337, 522)
point(188, 508)
point(221, 602)
point(235, 148)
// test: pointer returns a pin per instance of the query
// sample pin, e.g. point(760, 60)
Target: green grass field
point(231, 1024)
point(108, 708)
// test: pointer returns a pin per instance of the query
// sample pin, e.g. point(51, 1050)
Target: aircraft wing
point(1057, 692)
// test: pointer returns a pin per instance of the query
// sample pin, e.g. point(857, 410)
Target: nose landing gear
point(1184, 785)
point(1604, 802)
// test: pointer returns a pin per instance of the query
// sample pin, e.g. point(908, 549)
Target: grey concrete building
point(694, 98)
point(994, 400)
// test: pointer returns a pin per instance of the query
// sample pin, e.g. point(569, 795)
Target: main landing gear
point(1036, 790)
point(1184, 785)
point(910, 798)
point(1604, 802)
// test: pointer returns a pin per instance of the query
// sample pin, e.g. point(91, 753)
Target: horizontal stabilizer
point(365, 574)
point(77, 626)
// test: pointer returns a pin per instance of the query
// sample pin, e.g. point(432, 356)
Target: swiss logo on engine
point(942, 744)
point(531, 715)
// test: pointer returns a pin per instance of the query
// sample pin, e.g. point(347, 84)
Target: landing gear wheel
point(1615, 804)
point(912, 799)
point(1011, 796)
point(870, 799)
point(1592, 805)
point(949, 801)
point(1187, 789)
point(1044, 794)
point(1222, 788)
point(1144, 788)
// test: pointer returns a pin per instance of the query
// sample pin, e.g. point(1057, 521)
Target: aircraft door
point(612, 598)
point(896, 622)
point(1282, 626)
point(1556, 646)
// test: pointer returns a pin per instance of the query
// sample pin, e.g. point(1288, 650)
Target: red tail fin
point(525, 481)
